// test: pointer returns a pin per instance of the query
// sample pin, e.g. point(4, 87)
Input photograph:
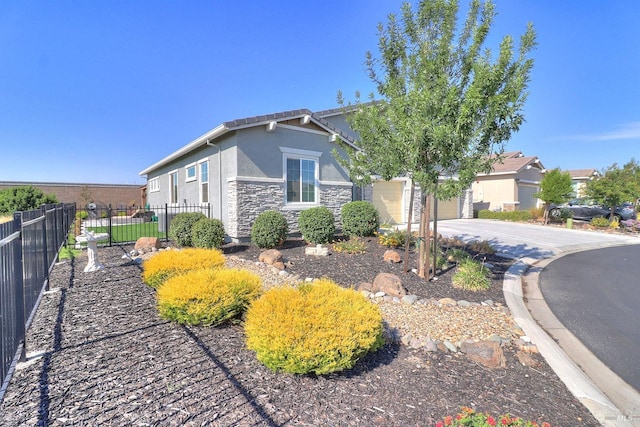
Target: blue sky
point(96, 91)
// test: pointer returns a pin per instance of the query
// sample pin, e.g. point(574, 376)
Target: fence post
point(110, 228)
point(166, 221)
point(21, 332)
point(45, 245)
point(209, 210)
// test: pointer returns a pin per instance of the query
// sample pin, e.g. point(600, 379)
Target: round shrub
point(169, 263)
point(208, 233)
point(182, 226)
point(317, 225)
point(269, 230)
point(207, 297)
point(318, 327)
point(359, 219)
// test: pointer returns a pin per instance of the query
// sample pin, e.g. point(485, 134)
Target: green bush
point(208, 233)
point(23, 198)
point(599, 221)
point(319, 327)
point(317, 225)
point(207, 297)
point(505, 215)
point(180, 230)
point(269, 230)
point(472, 276)
point(359, 219)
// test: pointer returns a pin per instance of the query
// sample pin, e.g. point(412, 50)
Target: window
point(204, 181)
point(191, 172)
point(154, 185)
point(173, 186)
point(301, 175)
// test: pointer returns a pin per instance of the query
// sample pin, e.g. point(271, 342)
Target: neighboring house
point(243, 167)
point(579, 179)
point(511, 185)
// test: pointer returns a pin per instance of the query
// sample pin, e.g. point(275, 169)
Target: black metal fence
point(29, 246)
point(125, 224)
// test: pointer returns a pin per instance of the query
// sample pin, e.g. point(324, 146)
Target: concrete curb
point(578, 383)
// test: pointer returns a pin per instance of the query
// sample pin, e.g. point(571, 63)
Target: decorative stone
point(527, 360)
point(365, 286)
point(392, 256)
point(487, 353)
point(390, 284)
point(317, 250)
point(270, 256)
point(463, 303)
point(430, 345)
point(410, 299)
point(450, 346)
point(447, 301)
point(279, 265)
point(147, 243)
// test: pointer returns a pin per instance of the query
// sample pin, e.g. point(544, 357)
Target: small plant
point(353, 245)
point(396, 238)
point(269, 230)
point(481, 247)
point(471, 275)
point(319, 327)
point(207, 297)
point(599, 221)
point(208, 233)
point(456, 255)
point(169, 263)
point(536, 213)
point(631, 224)
point(614, 223)
point(317, 225)
point(68, 253)
point(359, 219)
point(468, 417)
point(180, 230)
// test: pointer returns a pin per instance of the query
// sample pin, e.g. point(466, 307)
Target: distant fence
point(126, 224)
point(29, 246)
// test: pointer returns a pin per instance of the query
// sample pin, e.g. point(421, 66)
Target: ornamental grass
point(319, 327)
point(169, 263)
point(207, 297)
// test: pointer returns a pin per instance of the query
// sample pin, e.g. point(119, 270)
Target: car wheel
point(555, 213)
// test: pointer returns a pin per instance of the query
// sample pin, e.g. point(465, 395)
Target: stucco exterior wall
point(493, 192)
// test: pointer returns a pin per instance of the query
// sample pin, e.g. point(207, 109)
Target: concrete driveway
point(611, 400)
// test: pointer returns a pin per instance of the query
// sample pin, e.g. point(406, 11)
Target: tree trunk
point(423, 253)
point(435, 229)
point(407, 242)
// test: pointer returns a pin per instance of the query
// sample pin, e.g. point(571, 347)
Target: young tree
point(555, 188)
point(616, 185)
point(444, 103)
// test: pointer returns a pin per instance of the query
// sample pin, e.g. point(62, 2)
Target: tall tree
point(616, 185)
point(444, 105)
point(555, 188)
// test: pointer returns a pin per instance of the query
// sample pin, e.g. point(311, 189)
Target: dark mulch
point(110, 360)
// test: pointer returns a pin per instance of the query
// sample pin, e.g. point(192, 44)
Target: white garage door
point(447, 209)
point(387, 199)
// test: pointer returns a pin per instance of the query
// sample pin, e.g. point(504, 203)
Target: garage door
point(387, 199)
point(526, 198)
point(447, 209)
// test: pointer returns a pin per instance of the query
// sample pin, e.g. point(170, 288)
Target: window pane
point(205, 193)
point(308, 180)
point(293, 180)
point(174, 187)
point(191, 172)
point(204, 172)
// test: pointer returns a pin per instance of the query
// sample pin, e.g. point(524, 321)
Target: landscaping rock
point(147, 243)
point(390, 284)
point(487, 353)
point(392, 256)
point(270, 256)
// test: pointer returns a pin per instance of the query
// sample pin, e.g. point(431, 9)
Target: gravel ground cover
point(100, 355)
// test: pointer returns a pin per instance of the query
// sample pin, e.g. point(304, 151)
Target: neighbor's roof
point(513, 162)
point(583, 173)
point(248, 122)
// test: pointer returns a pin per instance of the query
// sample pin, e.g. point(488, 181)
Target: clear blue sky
point(96, 91)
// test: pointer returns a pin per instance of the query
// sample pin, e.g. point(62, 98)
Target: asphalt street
point(596, 295)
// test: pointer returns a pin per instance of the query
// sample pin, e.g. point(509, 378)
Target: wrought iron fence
point(125, 224)
point(29, 247)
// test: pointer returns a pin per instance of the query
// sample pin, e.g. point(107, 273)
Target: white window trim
point(200, 182)
point(195, 172)
point(177, 202)
point(295, 153)
point(154, 185)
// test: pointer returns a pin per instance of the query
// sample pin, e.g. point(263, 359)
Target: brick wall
point(100, 194)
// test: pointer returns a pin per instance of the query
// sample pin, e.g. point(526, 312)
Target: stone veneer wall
point(247, 199)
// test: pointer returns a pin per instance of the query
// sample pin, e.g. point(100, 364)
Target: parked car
point(584, 209)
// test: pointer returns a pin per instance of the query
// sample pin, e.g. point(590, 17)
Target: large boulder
point(390, 284)
point(147, 244)
point(487, 353)
point(270, 256)
point(391, 256)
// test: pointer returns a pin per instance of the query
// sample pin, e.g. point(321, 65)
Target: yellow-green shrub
point(207, 297)
point(166, 264)
point(318, 327)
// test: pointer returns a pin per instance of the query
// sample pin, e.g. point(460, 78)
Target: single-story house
point(280, 162)
point(511, 185)
point(579, 179)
